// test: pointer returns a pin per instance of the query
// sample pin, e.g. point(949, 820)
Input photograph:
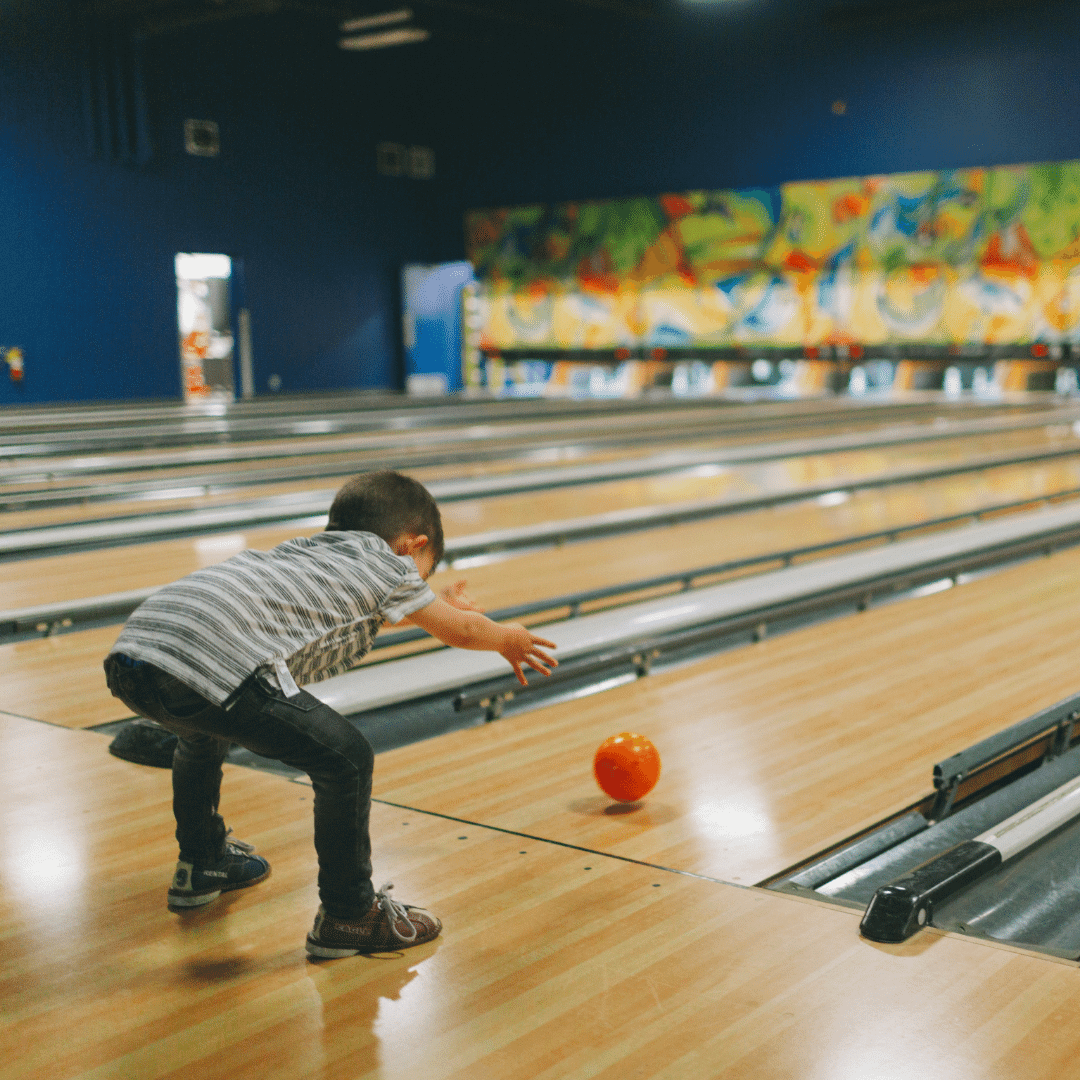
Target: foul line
point(560, 843)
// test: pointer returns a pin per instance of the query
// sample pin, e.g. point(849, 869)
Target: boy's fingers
point(537, 666)
point(543, 641)
point(520, 674)
point(549, 660)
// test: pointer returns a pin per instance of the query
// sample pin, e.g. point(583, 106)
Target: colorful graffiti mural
point(973, 255)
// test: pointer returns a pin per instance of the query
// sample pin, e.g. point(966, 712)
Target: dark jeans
point(300, 731)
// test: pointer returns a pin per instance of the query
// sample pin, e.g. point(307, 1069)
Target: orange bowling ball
point(626, 767)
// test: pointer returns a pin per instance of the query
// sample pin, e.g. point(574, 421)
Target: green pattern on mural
point(959, 255)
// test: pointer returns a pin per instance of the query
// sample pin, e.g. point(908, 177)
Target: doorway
point(206, 339)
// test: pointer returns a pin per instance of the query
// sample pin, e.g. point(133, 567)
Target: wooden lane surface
point(546, 970)
point(308, 406)
point(55, 578)
point(484, 514)
point(59, 679)
point(35, 518)
point(733, 418)
point(775, 751)
point(638, 426)
point(571, 452)
point(92, 511)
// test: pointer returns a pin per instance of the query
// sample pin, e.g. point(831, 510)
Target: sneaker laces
point(239, 847)
point(393, 912)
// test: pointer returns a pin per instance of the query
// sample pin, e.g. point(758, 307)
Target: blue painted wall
point(717, 96)
point(87, 241)
point(739, 93)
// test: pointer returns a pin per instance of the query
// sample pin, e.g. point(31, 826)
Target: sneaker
point(387, 927)
point(196, 884)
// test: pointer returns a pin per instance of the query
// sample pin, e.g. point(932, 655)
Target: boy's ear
point(410, 545)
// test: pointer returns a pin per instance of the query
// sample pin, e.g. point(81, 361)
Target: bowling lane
point(716, 482)
point(707, 482)
point(553, 963)
point(45, 678)
point(243, 424)
point(170, 495)
point(520, 578)
point(313, 437)
point(217, 486)
point(525, 577)
point(778, 750)
point(282, 460)
point(387, 409)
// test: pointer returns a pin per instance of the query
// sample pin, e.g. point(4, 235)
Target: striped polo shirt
point(303, 611)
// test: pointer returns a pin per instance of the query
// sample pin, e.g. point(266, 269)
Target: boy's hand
point(520, 648)
point(471, 630)
point(456, 596)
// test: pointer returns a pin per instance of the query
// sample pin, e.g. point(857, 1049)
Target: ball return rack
point(993, 853)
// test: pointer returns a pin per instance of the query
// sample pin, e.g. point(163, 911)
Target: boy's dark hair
point(388, 504)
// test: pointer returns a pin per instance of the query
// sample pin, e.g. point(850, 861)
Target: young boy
point(216, 658)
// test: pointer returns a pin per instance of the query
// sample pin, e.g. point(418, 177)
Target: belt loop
point(234, 697)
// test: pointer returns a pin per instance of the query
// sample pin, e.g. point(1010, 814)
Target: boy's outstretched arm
point(456, 596)
point(471, 630)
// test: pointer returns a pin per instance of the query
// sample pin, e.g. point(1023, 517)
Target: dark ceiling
point(157, 16)
point(502, 22)
point(162, 16)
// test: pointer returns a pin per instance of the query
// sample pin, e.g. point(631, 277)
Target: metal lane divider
point(309, 508)
point(537, 479)
point(317, 436)
point(430, 426)
point(400, 701)
point(227, 422)
point(601, 435)
point(639, 630)
point(56, 617)
point(362, 403)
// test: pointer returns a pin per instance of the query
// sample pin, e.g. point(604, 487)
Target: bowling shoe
point(195, 884)
point(387, 927)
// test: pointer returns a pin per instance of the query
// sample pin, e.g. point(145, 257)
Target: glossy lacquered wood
point(45, 580)
point(553, 446)
point(560, 959)
point(544, 505)
point(774, 751)
point(29, 683)
point(553, 963)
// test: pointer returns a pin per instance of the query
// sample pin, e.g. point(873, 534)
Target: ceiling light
point(369, 22)
point(404, 36)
